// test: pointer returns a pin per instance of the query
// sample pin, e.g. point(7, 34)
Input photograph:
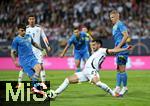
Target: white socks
point(21, 73)
point(123, 91)
point(117, 89)
point(105, 88)
point(43, 75)
point(62, 87)
point(65, 84)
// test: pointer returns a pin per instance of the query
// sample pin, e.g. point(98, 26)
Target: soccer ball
point(51, 94)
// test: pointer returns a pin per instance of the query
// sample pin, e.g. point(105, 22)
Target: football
point(51, 94)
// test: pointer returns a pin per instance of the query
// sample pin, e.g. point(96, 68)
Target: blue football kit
point(118, 28)
point(81, 50)
point(23, 47)
point(121, 57)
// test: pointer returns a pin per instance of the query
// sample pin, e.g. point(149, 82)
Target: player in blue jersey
point(22, 47)
point(120, 35)
point(88, 42)
point(38, 35)
point(78, 39)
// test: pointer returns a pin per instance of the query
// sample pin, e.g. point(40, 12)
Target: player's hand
point(130, 47)
point(61, 55)
point(48, 49)
point(116, 47)
point(16, 64)
point(44, 53)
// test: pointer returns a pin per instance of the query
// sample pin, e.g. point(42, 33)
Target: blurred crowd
point(58, 17)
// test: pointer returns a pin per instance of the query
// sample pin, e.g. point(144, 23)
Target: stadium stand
point(58, 17)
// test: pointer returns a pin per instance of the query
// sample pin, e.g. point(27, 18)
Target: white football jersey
point(37, 33)
point(96, 59)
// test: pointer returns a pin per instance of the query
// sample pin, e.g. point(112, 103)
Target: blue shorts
point(28, 68)
point(121, 59)
point(78, 55)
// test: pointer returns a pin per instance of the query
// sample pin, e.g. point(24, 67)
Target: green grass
point(86, 94)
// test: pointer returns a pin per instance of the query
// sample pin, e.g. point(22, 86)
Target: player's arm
point(70, 41)
point(14, 57)
point(40, 48)
point(45, 40)
point(124, 39)
point(116, 50)
point(65, 50)
point(14, 47)
point(86, 34)
point(91, 38)
point(36, 45)
point(124, 32)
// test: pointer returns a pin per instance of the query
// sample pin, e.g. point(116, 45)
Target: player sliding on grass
point(22, 47)
point(90, 72)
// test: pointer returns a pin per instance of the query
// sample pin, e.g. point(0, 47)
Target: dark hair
point(98, 41)
point(76, 28)
point(21, 25)
point(31, 15)
point(87, 25)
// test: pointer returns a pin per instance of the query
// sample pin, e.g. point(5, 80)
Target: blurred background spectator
point(58, 17)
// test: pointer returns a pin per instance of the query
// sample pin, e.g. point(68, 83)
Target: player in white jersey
point(37, 32)
point(90, 72)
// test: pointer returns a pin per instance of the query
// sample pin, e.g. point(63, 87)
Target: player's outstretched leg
point(69, 80)
point(105, 88)
point(62, 87)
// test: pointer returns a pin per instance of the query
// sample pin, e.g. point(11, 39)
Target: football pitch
point(86, 94)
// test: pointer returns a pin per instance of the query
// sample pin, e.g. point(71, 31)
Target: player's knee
point(37, 68)
point(42, 68)
point(67, 80)
point(121, 68)
point(98, 83)
point(72, 79)
point(77, 63)
point(95, 80)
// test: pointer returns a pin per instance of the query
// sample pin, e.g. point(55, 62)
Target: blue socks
point(118, 79)
point(122, 78)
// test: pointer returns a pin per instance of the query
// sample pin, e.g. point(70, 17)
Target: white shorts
point(87, 74)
